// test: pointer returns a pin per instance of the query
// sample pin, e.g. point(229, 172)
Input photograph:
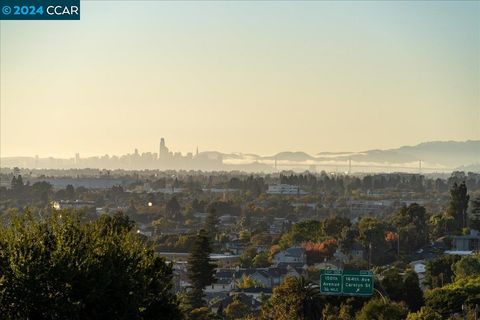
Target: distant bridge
point(349, 165)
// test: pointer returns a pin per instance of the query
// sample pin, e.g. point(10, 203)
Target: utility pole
point(398, 243)
point(369, 255)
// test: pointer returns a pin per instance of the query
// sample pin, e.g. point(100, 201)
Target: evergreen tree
point(474, 218)
point(413, 295)
point(173, 207)
point(200, 270)
point(70, 192)
point(17, 184)
point(211, 224)
point(457, 208)
point(13, 183)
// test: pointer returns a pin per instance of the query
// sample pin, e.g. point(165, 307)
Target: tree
point(474, 217)
point(310, 230)
point(202, 313)
point(377, 309)
point(236, 309)
point(333, 226)
point(248, 254)
point(200, 270)
point(372, 235)
point(60, 268)
point(466, 267)
point(246, 282)
point(458, 205)
point(17, 184)
point(425, 313)
point(392, 282)
point(70, 192)
point(438, 272)
point(41, 191)
point(348, 237)
point(173, 207)
point(317, 252)
point(453, 297)
point(211, 222)
point(403, 287)
point(261, 260)
point(331, 312)
point(413, 295)
point(295, 298)
point(411, 224)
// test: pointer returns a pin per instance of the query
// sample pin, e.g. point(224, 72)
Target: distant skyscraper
point(163, 151)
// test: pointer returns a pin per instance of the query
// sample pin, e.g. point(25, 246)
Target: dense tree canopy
point(454, 297)
point(377, 309)
point(60, 268)
point(412, 227)
point(295, 298)
point(438, 271)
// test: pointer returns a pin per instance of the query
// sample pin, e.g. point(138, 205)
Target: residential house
point(470, 242)
point(293, 255)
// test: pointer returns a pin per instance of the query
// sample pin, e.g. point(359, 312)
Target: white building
point(295, 255)
point(285, 189)
point(67, 204)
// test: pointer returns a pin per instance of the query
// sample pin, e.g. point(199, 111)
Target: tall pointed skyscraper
point(163, 151)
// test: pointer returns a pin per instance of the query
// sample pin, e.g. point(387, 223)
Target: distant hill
point(446, 153)
point(291, 156)
point(451, 154)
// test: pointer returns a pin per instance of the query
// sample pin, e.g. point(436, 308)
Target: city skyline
point(439, 156)
point(172, 151)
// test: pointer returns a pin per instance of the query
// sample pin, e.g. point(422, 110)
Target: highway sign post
point(347, 282)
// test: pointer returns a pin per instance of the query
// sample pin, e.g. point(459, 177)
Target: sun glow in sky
point(257, 77)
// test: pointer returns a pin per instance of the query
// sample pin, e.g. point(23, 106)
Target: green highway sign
point(357, 282)
point(331, 281)
point(347, 282)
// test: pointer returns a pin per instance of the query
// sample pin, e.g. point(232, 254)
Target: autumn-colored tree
point(318, 251)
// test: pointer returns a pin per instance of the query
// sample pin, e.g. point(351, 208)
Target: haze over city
point(241, 77)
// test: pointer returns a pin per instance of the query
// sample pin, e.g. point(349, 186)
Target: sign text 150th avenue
point(346, 282)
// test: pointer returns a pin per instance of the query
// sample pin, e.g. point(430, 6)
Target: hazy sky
point(257, 77)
